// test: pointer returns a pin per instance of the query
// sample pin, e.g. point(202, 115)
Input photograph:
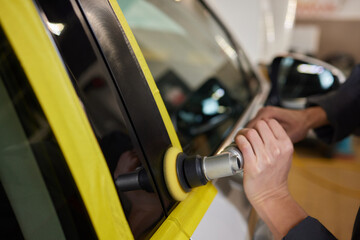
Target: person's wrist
point(269, 195)
point(280, 212)
point(315, 117)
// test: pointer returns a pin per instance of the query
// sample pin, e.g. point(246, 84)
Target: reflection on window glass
point(190, 56)
point(104, 109)
point(142, 207)
point(39, 198)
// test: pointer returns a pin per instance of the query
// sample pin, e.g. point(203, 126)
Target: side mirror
point(295, 77)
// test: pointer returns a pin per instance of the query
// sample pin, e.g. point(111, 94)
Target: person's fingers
point(243, 132)
point(278, 131)
point(252, 123)
point(263, 114)
point(247, 152)
point(282, 136)
point(255, 141)
point(265, 133)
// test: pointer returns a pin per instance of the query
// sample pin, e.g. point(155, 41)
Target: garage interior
point(328, 187)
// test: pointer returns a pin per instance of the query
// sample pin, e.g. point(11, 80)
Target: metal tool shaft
point(229, 162)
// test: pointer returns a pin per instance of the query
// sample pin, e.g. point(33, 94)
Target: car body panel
point(56, 94)
point(188, 213)
point(133, 91)
point(183, 220)
point(25, 24)
point(122, 123)
point(232, 211)
point(58, 99)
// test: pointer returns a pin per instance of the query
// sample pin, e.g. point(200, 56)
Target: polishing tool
point(183, 172)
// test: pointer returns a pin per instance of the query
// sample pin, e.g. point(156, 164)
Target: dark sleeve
point(342, 108)
point(309, 229)
point(356, 229)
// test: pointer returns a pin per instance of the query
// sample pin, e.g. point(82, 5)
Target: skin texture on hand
point(267, 152)
point(296, 123)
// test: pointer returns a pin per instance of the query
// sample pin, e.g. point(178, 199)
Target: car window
point(106, 113)
point(205, 82)
point(39, 198)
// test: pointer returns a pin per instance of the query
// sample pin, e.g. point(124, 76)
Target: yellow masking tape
point(149, 78)
point(52, 86)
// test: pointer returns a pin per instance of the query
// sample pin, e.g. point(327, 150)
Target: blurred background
point(325, 181)
point(326, 29)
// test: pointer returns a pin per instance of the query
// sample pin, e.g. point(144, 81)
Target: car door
point(106, 86)
point(210, 91)
point(118, 85)
point(54, 180)
point(61, 30)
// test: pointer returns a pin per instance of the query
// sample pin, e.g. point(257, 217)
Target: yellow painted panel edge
point(67, 119)
point(188, 214)
point(149, 78)
point(170, 230)
point(195, 205)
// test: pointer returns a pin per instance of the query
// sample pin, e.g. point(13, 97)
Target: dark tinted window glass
point(105, 111)
point(205, 83)
point(39, 198)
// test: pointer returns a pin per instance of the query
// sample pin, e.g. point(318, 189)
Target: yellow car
point(83, 106)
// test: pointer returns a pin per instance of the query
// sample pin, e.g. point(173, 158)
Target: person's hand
point(267, 151)
point(296, 123)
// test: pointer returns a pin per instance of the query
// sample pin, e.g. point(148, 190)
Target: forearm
point(315, 117)
point(280, 213)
